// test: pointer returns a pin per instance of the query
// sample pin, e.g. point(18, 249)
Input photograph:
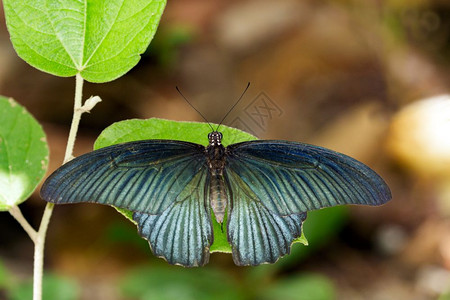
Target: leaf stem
point(40, 236)
point(17, 214)
point(76, 118)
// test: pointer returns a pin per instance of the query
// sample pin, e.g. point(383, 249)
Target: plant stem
point(17, 214)
point(38, 270)
point(75, 119)
point(40, 236)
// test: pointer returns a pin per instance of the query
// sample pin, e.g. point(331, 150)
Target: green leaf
point(154, 128)
point(301, 239)
point(53, 288)
point(220, 243)
point(100, 39)
point(135, 130)
point(23, 153)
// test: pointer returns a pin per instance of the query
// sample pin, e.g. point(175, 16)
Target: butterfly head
point(215, 138)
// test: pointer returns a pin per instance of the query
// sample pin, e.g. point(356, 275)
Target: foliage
point(23, 153)
point(100, 39)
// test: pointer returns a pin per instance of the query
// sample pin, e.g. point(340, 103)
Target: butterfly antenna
point(234, 105)
point(194, 107)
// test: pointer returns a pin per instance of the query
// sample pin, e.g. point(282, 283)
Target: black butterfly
point(262, 189)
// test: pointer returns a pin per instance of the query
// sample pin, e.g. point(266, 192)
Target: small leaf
point(101, 39)
point(23, 154)
point(134, 130)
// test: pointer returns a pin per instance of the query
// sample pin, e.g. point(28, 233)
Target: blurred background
point(366, 78)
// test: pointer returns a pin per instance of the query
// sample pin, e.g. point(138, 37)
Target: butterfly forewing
point(144, 176)
point(291, 178)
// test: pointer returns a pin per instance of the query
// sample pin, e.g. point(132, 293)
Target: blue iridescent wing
point(163, 182)
point(256, 234)
point(274, 183)
point(290, 177)
point(144, 176)
point(181, 234)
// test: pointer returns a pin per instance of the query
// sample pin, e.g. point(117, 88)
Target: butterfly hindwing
point(182, 233)
point(291, 178)
point(143, 176)
point(256, 234)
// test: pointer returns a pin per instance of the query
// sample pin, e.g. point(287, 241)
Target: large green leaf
point(100, 39)
point(23, 153)
point(134, 130)
point(194, 132)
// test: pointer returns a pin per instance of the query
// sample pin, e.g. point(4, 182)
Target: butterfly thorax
point(218, 196)
point(215, 153)
point(216, 159)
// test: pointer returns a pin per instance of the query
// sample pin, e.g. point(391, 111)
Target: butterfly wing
point(273, 183)
point(163, 182)
point(144, 176)
point(181, 234)
point(256, 234)
point(291, 177)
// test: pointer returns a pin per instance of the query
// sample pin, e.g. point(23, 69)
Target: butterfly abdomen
point(218, 197)
point(217, 191)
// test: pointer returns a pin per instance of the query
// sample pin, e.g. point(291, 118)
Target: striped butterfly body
point(261, 189)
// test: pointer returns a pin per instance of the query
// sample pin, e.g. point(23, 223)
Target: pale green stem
point(75, 119)
point(17, 214)
point(38, 269)
point(40, 237)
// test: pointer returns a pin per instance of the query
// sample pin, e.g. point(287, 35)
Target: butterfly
point(260, 189)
